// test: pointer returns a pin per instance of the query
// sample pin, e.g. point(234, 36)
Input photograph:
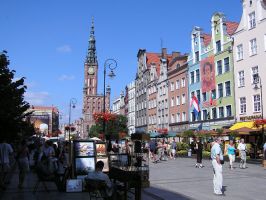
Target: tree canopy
point(13, 107)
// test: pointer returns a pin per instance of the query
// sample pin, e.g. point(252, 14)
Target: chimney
point(175, 54)
point(164, 53)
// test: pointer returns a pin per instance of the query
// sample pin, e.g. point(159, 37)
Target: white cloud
point(64, 49)
point(65, 77)
point(36, 98)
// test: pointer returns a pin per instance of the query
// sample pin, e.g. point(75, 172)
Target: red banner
point(207, 70)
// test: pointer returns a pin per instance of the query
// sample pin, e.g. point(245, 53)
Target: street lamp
point(111, 64)
point(72, 104)
point(256, 87)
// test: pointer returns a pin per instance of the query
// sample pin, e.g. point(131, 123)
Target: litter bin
point(189, 153)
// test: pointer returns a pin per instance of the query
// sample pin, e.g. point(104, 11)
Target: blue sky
point(47, 40)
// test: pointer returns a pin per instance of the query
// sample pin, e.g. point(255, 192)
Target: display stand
point(135, 172)
point(101, 154)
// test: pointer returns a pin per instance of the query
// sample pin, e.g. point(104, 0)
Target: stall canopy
point(171, 134)
point(154, 134)
point(245, 127)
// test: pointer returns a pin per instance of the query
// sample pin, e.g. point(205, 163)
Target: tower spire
point(91, 57)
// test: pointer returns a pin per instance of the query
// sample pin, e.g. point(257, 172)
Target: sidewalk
point(13, 193)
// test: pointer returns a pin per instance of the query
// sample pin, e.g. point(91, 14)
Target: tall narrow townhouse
point(178, 93)
point(222, 110)
point(214, 69)
point(152, 95)
point(250, 61)
point(199, 42)
point(162, 95)
point(130, 107)
point(142, 80)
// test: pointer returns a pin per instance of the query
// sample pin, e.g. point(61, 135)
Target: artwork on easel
point(100, 149)
point(106, 163)
point(84, 165)
point(84, 148)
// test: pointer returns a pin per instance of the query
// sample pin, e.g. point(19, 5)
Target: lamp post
point(111, 64)
point(72, 104)
point(256, 87)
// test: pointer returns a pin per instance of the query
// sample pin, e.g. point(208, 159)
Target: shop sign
point(249, 118)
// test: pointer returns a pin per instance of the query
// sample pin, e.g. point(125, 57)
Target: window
point(205, 115)
point(256, 100)
point(191, 77)
point(183, 99)
point(221, 112)
point(219, 67)
point(220, 90)
point(226, 65)
point(227, 88)
point(255, 75)
point(177, 100)
point(214, 116)
point(229, 111)
point(218, 46)
point(172, 86)
point(172, 118)
point(178, 117)
point(184, 116)
point(177, 84)
point(198, 95)
point(197, 76)
point(241, 79)
point(196, 56)
point(183, 83)
point(243, 105)
point(252, 20)
point(239, 52)
point(172, 102)
point(199, 116)
point(204, 96)
point(253, 47)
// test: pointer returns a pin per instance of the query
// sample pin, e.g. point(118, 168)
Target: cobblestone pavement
point(170, 180)
point(181, 177)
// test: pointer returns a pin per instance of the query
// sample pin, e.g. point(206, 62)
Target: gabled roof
point(206, 38)
point(231, 27)
point(155, 59)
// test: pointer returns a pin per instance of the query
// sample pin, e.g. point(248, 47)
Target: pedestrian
point(23, 162)
point(6, 150)
point(199, 148)
point(153, 150)
point(231, 153)
point(264, 150)
point(217, 159)
point(242, 147)
point(173, 149)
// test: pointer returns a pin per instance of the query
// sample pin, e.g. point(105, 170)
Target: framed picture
point(84, 148)
point(74, 185)
point(84, 165)
point(101, 149)
point(106, 163)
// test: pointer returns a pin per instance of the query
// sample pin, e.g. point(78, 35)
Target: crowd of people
point(45, 157)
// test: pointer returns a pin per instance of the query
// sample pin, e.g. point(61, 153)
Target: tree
point(114, 124)
point(13, 108)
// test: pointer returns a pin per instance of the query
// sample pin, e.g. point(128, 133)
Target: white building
point(131, 107)
point(119, 105)
point(250, 61)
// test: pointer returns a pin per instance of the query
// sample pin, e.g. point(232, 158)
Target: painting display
point(84, 165)
point(101, 149)
point(84, 148)
point(106, 163)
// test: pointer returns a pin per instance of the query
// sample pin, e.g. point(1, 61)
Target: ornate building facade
point(92, 101)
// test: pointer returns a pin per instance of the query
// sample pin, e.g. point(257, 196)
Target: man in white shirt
point(5, 151)
point(242, 147)
point(217, 156)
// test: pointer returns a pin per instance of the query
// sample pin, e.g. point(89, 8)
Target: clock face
point(91, 70)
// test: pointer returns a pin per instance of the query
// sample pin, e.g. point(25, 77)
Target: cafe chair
point(96, 188)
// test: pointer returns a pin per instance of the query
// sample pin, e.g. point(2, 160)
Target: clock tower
point(92, 101)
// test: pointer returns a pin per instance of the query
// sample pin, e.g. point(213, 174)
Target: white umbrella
point(95, 138)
